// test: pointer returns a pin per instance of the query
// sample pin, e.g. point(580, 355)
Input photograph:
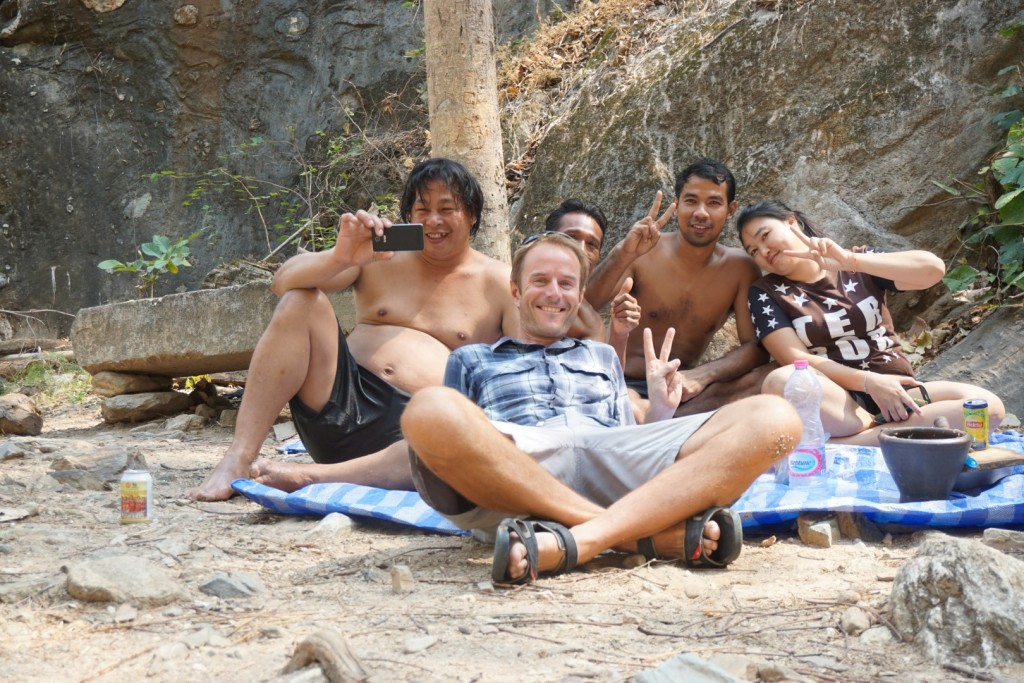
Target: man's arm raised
point(607, 278)
point(338, 267)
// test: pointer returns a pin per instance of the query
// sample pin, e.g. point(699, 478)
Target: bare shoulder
point(493, 270)
point(736, 260)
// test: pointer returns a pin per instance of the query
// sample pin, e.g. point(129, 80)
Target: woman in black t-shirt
point(826, 304)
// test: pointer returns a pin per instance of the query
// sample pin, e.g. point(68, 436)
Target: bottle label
point(806, 461)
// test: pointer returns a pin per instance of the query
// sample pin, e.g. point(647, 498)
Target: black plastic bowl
point(924, 461)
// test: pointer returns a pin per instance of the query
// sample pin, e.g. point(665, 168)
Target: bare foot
point(218, 485)
point(669, 543)
point(284, 476)
point(549, 554)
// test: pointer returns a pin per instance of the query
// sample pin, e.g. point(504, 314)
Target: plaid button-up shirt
point(572, 382)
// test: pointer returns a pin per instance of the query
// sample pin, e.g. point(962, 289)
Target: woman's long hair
point(772, 208)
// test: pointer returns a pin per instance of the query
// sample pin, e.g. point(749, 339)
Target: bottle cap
point(800, 364)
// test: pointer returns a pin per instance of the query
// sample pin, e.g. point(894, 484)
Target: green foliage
point(164, 257)
point(306, 212)
point(996, 228)
point(57, 379)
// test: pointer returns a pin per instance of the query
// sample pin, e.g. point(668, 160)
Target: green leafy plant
point(164, 257)
point(996, 226)
point(57, 380)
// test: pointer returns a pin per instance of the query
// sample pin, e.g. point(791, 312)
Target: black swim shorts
point(361, 417)
point(637, 384)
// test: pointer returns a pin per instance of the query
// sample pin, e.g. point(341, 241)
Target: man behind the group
point(347, 393)
point(586, 223)
point(539, 425)
point(686, 280)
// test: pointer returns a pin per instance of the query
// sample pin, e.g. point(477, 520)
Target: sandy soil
point(774, 614)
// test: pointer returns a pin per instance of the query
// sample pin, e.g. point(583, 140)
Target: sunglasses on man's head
point(530, 239)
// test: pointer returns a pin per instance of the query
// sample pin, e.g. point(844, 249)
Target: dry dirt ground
point(773, 614)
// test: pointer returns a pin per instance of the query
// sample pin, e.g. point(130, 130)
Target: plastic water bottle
point(806, 464)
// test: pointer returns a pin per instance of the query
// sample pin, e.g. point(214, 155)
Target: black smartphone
point(400, 237)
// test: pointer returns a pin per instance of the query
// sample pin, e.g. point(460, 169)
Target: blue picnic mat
point(858, 481)
point(402, 507)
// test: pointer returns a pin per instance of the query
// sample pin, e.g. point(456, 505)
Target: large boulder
point(179, 335)
point(961, 602)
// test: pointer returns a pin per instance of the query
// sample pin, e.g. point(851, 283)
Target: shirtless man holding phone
point(412, 307)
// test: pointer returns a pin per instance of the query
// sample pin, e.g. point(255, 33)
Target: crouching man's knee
point(432, 416)
point(775, 419)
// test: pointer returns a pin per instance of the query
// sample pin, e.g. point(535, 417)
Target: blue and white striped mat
point(858, 482)
point(403, 507)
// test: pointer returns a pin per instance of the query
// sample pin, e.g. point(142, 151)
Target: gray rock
point(401, 579)
point(877, 635)
point(12, 451)
point(228, 417)
point(16, 591)
point(854, 621)
point(961, 601)
point(185, 423)
point(142, 407)
point(1003, 539)
point(107, 384)
point(146, 335)
point(79, 480)
point(418, 644)
point(686, 667)
point(233, 585)
point(19, 415)
point(106, 464)
point(817, 530)
point(334, 525)
point(123, 578)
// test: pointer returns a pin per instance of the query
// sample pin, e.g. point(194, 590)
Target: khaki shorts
point(602, 464)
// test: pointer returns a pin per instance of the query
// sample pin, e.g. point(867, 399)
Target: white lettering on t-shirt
point(853, 348)
point(838, 324)
point(870, 309)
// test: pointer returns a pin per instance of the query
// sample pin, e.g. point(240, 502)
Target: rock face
point(97, 96)
point(844, 110)
point(989, 356)
point(961, 601)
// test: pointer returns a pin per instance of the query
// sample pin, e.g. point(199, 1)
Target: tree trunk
point(463, 99)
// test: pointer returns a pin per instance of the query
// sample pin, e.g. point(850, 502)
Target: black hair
point(709, 169)
point(456, 177)
point(576, 206)
point(772, 208)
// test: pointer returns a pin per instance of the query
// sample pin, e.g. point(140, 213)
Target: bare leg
point(719, 394)
point(848, 423)
point(947, 401)
point(386, 469)
point(297, 355)
point(713, 467)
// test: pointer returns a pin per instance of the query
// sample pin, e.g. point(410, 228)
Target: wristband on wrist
point(856, 266)
point(866, 382)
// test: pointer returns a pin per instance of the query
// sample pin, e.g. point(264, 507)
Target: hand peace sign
point(646, 232)
point(822, 250)
point(664, 384)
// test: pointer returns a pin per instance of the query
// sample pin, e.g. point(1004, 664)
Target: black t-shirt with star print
point(842, 316)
